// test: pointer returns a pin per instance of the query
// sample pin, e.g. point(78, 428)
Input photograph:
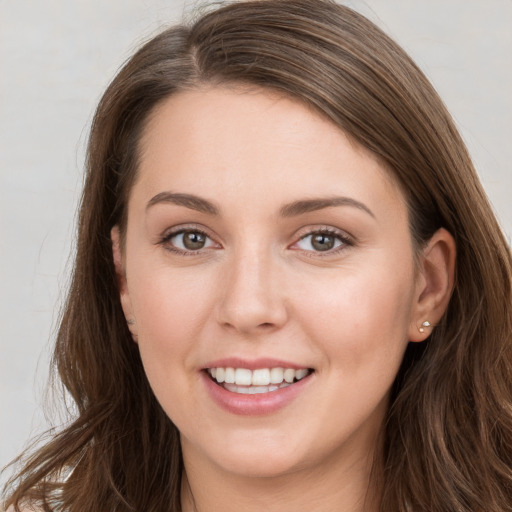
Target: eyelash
point(165, 240)
point(345, 240)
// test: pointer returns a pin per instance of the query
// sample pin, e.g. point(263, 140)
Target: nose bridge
point(252, 297)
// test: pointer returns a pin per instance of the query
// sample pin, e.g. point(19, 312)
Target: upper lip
point(253, 364)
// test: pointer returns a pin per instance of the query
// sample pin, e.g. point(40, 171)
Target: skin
point(259, 288)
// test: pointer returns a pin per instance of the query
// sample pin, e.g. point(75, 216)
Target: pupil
point(322, 242)
point(193, 240)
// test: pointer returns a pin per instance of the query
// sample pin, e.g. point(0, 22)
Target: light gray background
point(57, 56)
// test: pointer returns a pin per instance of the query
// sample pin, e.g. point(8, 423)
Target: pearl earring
point(426, 323)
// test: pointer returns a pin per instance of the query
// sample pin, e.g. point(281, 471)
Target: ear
point(122, 284)
point(434, 284)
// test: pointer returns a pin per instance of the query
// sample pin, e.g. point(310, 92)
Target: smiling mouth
point(251, 382)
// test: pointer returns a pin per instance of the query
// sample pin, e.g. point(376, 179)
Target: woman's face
point(260, 237)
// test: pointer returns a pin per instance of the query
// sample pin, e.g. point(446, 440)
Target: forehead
point(221, 140)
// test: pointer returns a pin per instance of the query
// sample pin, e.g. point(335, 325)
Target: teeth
point(229, 377)
point(220, 374)
point(300, 374)
point(268, 379)
point(260, 377)
point(243, 377)
point(276, 375)
point(253, 390)
point(289, 375)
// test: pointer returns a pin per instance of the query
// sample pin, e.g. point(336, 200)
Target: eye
point(322, 241)
point(189, 240)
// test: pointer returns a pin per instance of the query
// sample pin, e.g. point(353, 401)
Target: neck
point(348, 486)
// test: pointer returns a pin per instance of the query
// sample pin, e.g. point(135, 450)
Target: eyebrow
point(289, 210)
point(187, 200)
point(311, 205)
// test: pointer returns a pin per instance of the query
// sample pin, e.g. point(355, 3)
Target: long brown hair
point(448, 435)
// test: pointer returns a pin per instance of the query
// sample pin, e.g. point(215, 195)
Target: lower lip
point(254, 405)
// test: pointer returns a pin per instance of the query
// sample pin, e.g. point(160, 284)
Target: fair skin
point(228, 261)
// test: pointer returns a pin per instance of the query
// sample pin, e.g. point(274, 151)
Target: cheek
point(169, 308)
point(361, 317)
point(167, 302)
point(169, 320)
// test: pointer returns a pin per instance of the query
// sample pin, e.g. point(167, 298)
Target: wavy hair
point(448, 433)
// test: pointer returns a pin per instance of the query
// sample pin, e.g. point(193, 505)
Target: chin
point(254, 459)
point(263, 467)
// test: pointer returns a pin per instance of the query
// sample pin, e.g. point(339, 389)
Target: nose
point(252, 295)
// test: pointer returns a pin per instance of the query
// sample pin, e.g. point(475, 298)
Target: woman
point(290, 291)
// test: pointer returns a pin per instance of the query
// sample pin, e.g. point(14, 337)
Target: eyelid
point(346, 239)
point(169, 233)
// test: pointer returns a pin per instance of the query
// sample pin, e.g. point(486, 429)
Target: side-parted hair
point(448, 433)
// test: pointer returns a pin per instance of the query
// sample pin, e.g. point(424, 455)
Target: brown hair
point(448, 435)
